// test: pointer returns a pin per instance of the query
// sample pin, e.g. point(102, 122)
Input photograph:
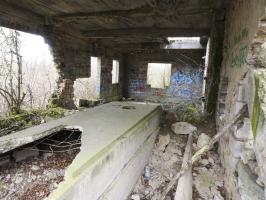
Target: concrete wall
point(240, 66)
point(72, 57)
point(186, 78)
point(109, 91)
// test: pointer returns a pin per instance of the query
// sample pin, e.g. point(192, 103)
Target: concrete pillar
point(66, 94)
point(214, 69)
point(72, 58)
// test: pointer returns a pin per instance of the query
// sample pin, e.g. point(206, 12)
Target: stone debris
point(208, 178)
point(166, 160)
point(25, 154)
point(183, 128)
point(4, 160)
point(164, 140)
point(35, 177)
point(135, 197)
point(163, 165)
point(203, 140)
point(248, 187)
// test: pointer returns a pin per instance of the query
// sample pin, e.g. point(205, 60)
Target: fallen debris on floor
point(183, 128)
point(35, 170)
point(184, 185)
point(208, 177)
point(165, 163)
point(203, 140)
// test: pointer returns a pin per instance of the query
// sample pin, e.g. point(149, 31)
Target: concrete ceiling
point(113, 22)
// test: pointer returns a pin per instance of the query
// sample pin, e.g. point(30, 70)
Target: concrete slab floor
point(112, 135)
point(101, 127)
point(117, 115)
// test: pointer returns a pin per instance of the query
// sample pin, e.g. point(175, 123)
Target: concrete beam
point(184, 45)
point(137, 12)
point(144, 32)
point(18, 18)
point(104, 14)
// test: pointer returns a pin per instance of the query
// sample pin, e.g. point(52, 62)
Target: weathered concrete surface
point(111, 137)
point(245, 34)
point(121, 185)
point(82, 120)
point(20, 138)
point(248, 188)
point(184, 186)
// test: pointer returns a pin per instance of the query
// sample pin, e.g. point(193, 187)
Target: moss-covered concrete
point(259, 106)
point(27, 119)
point(103, 156)
point(256, 108)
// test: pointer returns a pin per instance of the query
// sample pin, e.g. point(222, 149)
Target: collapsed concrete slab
point(115, 145)
point(116, 142)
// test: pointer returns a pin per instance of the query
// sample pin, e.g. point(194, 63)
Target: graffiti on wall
point(237, 48)
point(238, 38)
point(137, 85)
point(186, 84)
point(240, 58)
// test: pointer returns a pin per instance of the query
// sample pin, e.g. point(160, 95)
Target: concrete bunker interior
point(141, 139)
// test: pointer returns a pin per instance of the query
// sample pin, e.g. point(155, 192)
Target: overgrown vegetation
point(190, 112)
point(27, 119)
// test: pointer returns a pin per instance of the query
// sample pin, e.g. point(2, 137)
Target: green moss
point(191, 113)
point(53, 112)
point(1, 185)
point(54, 101)
point(256, 108)
point(28, 119)
point(19, 120)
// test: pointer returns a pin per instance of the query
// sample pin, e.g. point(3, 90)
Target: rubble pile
point(164, 163)
point(35, 177)
point(166, 160)
point(208, 176)
point(34, 171)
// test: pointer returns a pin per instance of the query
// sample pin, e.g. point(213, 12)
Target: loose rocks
point(183, 128)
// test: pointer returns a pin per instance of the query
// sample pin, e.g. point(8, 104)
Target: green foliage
point(54, 101)
point(1, 185)
point(13, 120)
point(256, 109)
point(53, 112)
point(191, 113)
point(28, 119)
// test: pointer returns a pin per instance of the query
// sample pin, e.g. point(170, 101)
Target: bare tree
point(11, 85)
